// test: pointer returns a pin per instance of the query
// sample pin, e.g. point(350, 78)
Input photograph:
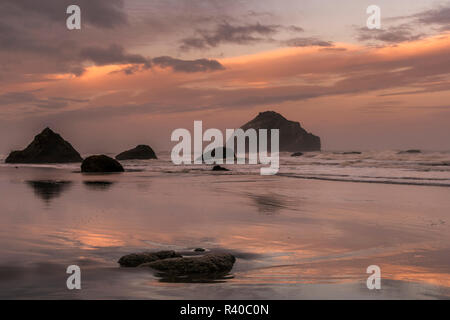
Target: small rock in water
point(136, 259)
point(219, 168)
point(207, 264)
point(199, 250)
point(297, 154)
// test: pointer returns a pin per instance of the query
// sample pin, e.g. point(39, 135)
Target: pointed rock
point(47, 147)
point(293, 137)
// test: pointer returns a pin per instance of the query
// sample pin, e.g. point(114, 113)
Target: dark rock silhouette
point(207, 264)
point(48, 190)
point(297, 154)
point(208, 155)
point(219, 168)
point(101, 163)
point(410, 151)
point(47, 147)
point(293, 137)
point(141, 152)
point(136, 259)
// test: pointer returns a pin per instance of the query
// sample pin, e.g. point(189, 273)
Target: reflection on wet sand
point(98, 185)
point(47, 190)
point(201, 278)
point(316, 239)
point(268, 204)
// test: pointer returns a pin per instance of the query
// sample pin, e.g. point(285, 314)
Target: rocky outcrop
point(47, 147)
point(101, 163)
point(136, 259)
point(207, 264)
point(141, 152)
point(219, 168)
point(293, 137)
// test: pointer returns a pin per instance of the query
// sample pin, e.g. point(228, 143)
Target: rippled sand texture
point(294, 238)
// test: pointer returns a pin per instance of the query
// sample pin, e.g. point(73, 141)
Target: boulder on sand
point(141, 152)
point(47, 147)
point(101, 163)
point(207, 264)
point(136, 259)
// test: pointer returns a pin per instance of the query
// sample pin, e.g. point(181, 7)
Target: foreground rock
point(219, 168)
point(47, 147)
point(293, 137)
point(207, 264)
point(141, 152)
point(136, 259)
point(297, 154)
point(101, 163)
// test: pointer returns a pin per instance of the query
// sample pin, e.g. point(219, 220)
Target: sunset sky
point(139, 69)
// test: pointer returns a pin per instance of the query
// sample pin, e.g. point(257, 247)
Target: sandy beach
point(293, 238)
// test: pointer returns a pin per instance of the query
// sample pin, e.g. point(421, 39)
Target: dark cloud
point(396, 34)
point(439, 16)
point(114, 54)
point(98, 13)
point(199, 65)
point(29, 98)
point(307, 42)
point(228, 33)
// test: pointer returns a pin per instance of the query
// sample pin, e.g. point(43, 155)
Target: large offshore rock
point(293, 137)
point(47, 147)
point(101, 163)
point(141, 152)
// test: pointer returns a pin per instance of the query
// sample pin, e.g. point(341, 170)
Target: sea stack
point(141, 152)
point(101, 163)
point(293, 138)
point(47, 147)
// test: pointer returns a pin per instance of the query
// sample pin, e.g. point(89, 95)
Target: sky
point(138, 69)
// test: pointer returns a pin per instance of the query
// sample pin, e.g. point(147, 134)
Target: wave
point(388, 167)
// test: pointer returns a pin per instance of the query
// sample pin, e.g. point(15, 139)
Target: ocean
point(308, 232)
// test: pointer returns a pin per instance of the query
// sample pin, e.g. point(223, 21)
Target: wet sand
point(293, 238)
